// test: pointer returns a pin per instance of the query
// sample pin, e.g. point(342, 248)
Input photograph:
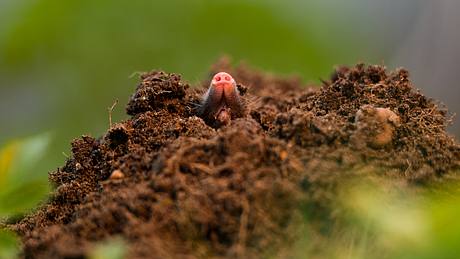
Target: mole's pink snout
point(222, 78)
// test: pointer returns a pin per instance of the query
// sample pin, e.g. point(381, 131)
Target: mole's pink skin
point(221, 102)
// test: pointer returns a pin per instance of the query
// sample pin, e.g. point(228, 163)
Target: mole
point(222, 102)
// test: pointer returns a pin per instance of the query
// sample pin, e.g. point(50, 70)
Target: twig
point(110, 112)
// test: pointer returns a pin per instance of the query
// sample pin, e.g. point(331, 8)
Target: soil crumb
point(171, 185)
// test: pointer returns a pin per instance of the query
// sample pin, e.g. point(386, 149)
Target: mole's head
point(221, 102)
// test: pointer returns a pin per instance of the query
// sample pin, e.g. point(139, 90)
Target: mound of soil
point(172, 186)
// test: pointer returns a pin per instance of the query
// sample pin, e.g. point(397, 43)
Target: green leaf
point(7, 154)
point(8, 245)
point(112, 249)
point(22, 187)
point(30, 152)
point(22, 197)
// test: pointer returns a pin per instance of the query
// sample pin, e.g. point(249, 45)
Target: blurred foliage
point(409, 225)
point(21, 186)
point(111, 249)
point(8, 245)
point(387, 220)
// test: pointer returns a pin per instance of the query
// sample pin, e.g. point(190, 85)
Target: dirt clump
point(375, 126)
point(173, 186)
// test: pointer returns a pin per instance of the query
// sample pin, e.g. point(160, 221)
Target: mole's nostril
point(227, 78)
point(218, 78)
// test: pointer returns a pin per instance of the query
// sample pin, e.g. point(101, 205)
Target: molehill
point(170, 185)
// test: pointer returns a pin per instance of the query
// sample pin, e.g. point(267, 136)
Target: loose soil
point(171, 185)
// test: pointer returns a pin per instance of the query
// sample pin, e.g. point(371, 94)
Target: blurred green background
point(62, 63)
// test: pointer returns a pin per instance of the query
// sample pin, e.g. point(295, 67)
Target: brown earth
point(172, 186)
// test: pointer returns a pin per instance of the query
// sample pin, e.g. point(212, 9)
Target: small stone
point(283, 155)
point(117, 174)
